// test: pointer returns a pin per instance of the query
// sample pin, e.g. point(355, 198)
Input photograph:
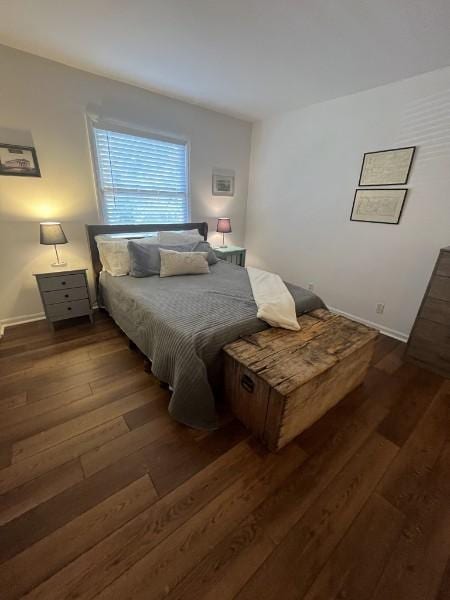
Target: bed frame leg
point(147, 365)
point(163, 385)
point(131, 345)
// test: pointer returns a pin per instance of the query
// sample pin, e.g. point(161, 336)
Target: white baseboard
point(398, 335)
point(4, 323)
point(19, 321)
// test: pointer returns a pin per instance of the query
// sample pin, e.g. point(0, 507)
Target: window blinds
point(141, 179)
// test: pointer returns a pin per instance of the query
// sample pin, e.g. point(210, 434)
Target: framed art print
point(222, 184)
point(378, 206)
point(19, 160)
point(386, 167)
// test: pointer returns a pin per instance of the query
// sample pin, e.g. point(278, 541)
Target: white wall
point(304, 170)
point(44, 103)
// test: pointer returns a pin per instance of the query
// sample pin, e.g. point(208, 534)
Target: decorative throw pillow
point(205, 247)
point(183, 263)
point(180, 237)
point(145, 259)
point(113, 251)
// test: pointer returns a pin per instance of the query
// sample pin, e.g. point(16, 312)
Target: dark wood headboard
point(93, 230)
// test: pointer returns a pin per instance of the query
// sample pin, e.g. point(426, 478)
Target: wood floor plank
point(415, 398)
point(63, 407)
point(391, 362)
point(384, 345)
point(25, 497)
point(159, 571)
point(55, 435)
point(42, 560)
point(108, 453)
point(227, 567)
point(43, 385)
point(284, 508)
point(417, 565)
point(355, 567)
point(301, 555)
point(5, 456)
point(405, 479)
point(18, 415)
point(444, 588)
point(48, 516)
point(26, 470)
point(97, 568)
point(12, 402)
point(172, 459)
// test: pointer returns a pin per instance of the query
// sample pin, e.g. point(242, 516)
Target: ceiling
point(250, 58)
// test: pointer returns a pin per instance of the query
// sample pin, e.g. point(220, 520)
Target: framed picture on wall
point(19, 160)
point(378, 206)
point(386, 167)
point(222, 184)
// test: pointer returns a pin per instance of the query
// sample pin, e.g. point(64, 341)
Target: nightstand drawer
point(62, 282)
point(63, 310)
point(65, 295)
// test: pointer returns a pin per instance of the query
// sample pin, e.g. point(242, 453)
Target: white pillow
point(114, 254)
point(183, 263)
point(114, 257)
point(180, 237)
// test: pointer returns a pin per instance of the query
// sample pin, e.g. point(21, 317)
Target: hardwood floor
point(104, 496)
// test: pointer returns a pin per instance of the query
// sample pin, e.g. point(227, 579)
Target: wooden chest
point(280, 382)
point(429, 342)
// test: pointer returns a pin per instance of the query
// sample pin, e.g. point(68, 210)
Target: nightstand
point(232, 254)
point(64, 294)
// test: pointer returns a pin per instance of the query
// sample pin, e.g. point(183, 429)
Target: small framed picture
point(222, 185)
point(386, 167)
point(378, 206)
point(19, 160)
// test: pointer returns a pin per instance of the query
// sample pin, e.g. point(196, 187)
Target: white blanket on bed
point(275, 303)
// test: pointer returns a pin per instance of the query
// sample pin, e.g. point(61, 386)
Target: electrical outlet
point(310, 286)
point(380, 308)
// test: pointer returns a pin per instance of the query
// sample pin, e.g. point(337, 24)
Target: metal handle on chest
point(247, 384)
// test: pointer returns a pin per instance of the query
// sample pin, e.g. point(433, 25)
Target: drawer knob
point(63, 283)
point(66, 295)
point(69, 308)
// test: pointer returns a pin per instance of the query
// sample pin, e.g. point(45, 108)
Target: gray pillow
point(145, 260)
point(205, 247)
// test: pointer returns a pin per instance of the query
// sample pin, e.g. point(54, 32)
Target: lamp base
point(223, 246)
point(59, 264)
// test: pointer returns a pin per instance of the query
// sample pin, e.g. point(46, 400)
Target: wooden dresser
point(429, 342)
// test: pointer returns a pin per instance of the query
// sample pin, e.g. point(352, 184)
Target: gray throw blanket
point(181, 323)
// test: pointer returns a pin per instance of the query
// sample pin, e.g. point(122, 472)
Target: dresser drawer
point(65, 295)
point(64, 310)
point(62, 282)
point(443, 266)
point(440, 288)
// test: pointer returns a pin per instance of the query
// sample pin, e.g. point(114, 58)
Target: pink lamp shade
point(224, 225)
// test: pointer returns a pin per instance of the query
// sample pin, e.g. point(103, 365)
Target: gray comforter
point(181, 324)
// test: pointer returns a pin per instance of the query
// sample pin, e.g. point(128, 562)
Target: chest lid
point(288, 359)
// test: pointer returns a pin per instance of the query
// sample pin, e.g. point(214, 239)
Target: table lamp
point(223, 227)
point(51, 235)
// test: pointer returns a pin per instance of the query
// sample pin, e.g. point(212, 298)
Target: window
point(141, 179)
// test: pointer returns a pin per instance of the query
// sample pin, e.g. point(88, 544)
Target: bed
point(181, 323)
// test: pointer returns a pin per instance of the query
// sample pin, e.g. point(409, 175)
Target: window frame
point(119, 127)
